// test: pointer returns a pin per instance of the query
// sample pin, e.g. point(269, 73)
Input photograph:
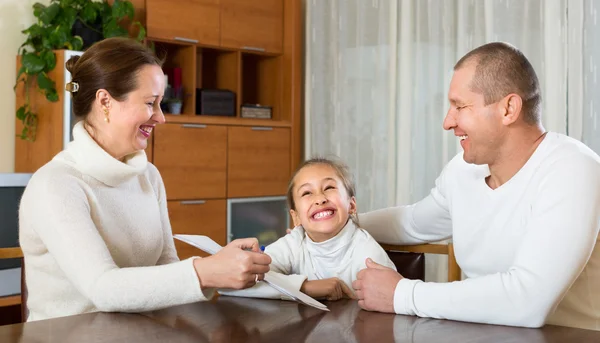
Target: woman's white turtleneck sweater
point(96, 236)
point(297, 258)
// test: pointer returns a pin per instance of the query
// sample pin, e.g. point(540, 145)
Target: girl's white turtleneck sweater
point(297, 258)
point(96, 236)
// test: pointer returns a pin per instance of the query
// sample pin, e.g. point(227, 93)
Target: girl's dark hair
point(111, 64)
point(342, 171)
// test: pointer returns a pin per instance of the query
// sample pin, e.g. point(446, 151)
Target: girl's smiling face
point(322, 203)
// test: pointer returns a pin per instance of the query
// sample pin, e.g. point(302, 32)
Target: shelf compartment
point(261, 82)
point(184, 57)
point(218, 69)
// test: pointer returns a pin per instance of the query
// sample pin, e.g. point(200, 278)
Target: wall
point(15, 16)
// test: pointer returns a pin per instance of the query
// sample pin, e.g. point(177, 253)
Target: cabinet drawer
point(193, 21)
point(191, 159)
point(198, 217)
point(258, 161)
point(252, 25)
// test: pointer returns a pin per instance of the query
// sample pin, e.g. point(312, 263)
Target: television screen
point(11, 190)
point(265, 218)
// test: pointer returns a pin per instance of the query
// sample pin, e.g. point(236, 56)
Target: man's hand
point(330, 289)
point(375, 287)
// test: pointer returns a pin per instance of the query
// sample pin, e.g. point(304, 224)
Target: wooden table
point(232, 319)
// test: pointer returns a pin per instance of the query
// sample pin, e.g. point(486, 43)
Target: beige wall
point(15, 16)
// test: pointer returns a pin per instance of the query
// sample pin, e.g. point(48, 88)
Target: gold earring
point(106, 118)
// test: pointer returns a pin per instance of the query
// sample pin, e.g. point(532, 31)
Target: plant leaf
point(21, 113)
point(49, 59)
point(69, 16)
point(118, 9)
point(77, 43)
point(129, 10)
point(142, 31)
point(44, 82)
point(52, 95)
point(59, 36)
point(33, 64)
point(112, 29)
point(49, 13)
point(89, 13)
point(38, 9)
point(34, 31)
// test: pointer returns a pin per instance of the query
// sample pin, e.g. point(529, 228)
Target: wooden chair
point(14, 306)
point(454, 273)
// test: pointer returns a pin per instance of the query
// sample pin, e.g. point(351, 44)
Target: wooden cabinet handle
point(253, 48)
point(260, 128)
point(187, 40)
point(192, 202)
point(193, 126)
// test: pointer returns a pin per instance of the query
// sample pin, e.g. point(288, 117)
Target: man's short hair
point(502, 69)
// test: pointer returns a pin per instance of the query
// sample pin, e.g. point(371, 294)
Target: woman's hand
point(233, 267)
point(330, 289)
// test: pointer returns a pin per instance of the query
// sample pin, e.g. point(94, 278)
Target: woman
point(94, 226)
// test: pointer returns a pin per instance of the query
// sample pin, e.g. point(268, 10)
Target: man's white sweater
point(96, 236)
point(527, 247)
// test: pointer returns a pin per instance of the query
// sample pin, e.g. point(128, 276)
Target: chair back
point(454, 273)
point(14, 308)
point(410, 264)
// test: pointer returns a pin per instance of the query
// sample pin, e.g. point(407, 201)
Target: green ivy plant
point(52, 31)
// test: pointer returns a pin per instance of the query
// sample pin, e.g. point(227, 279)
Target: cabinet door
point(195, 21)
point(198, 217)
point(191, 159)
point(258, 161)
point(252, 25)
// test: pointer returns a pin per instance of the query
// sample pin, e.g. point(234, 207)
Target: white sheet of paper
point(206, 244)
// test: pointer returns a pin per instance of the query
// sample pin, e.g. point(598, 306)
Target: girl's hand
point(233, 267)
point(330, 289)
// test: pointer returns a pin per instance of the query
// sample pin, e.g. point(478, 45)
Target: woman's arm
point(58, 211)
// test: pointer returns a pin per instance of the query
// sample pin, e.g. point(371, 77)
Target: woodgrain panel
point(30, 156)
point(197, 20)
point(208, 218)
point(191, 160)
point(259, 161)
point(252, 24)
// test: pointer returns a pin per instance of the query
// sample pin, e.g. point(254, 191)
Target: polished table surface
point(230, 319)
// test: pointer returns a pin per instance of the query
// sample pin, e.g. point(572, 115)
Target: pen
point(262, 248)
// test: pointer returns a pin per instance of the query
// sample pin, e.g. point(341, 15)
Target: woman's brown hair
point(111, 64)
point(342, 171)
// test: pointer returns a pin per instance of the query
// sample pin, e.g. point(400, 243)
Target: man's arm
point(558, 242)
point(426, 221)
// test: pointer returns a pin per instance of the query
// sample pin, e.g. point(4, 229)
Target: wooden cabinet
point(252, 25)
point(198, 217)
point(194, 21)
point(149, 148)
point(258, 161)
point(192, 160)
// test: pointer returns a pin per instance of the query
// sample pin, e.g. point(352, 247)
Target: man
point(522, 206)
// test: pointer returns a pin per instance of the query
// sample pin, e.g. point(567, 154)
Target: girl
point(326, 249)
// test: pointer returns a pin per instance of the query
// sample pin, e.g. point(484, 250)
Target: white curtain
point(377, 75)
point(583, 61)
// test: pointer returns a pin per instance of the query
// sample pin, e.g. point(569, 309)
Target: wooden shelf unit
point(253, 48)
point(207, 159)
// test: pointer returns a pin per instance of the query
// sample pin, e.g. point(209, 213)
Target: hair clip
point(72, 87)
